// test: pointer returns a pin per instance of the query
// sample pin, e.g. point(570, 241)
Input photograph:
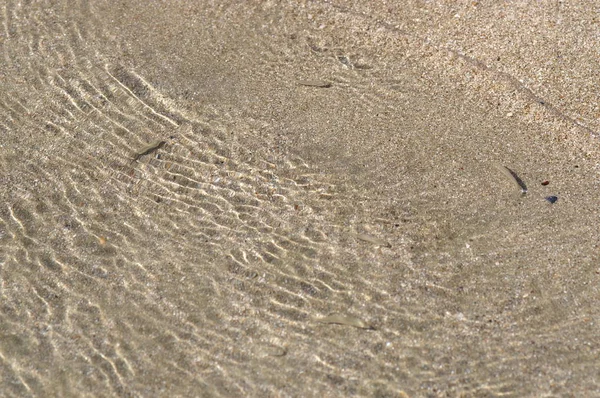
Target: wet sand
point(299, 199)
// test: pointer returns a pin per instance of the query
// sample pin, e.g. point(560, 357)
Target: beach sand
point(229, 199)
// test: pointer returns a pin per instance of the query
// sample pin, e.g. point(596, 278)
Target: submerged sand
point(299, 199)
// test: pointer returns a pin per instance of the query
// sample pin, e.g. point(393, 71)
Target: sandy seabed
point(296, 199)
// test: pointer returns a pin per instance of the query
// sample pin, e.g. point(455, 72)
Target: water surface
point(348, 237)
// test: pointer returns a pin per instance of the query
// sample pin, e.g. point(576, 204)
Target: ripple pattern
point(202, 267)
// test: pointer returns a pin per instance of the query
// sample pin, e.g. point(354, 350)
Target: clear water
point(212, 265)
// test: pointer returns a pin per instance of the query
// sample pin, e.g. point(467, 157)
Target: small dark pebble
point(552, 199)
point(546, 182)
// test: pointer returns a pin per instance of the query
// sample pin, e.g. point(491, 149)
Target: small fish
point(148, 149)
point(277, 351)
point(511, 175)
point(314, 83)
point(346, 320)
point(373, 240)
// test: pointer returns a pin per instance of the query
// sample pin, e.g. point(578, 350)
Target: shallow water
point(345, 238)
